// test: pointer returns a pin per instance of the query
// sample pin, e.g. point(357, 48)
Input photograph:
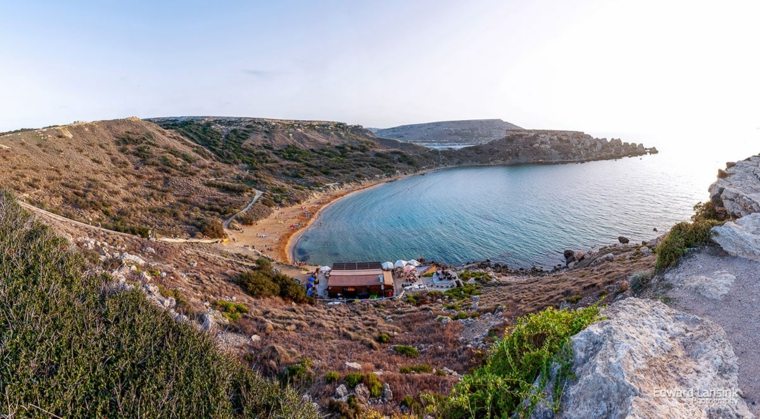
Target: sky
point(677, 74)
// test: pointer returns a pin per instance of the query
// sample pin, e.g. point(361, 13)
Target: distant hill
point(449, 133)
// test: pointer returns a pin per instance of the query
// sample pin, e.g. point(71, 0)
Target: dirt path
point(726, 290)
point(247, 207)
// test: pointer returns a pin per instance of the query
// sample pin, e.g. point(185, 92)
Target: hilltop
point(449, 133)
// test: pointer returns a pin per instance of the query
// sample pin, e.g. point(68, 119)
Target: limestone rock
point(387, 393)
point(741, 237)
point(648, 360)
point(341, 392)
point(362, 393)
point(354, 365)
point(739, 190)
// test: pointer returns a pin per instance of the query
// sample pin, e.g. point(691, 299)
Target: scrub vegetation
point(75, 346)
point(504, 385)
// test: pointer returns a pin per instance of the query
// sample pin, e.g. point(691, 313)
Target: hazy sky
point(676, 71)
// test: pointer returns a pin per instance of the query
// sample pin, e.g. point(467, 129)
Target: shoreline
point(292, 239)
point(282, 248)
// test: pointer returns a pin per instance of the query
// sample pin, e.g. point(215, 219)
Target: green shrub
point(373, 383)
point(479, 276)
point(499, 387)
point(299, 373)
point(231, 310)
point(406, 350)
point(332, 376)
point(383, 338)
point(639, 280)
point(266, 282)
point(70, 349)
point(353, 378)
point(466, 291)
point(212, 228)
point(416, 369)
point(681, 237)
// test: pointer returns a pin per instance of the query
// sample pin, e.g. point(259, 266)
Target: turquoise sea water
point(521, 215)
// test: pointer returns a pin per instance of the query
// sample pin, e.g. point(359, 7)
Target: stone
point(207, 322)
point(126, 257)
point(387, 393)
point(255, 338)
point(341, 392)
point(354, 365)
point(741, 237)
point(623, 240)
point(645, 250)
point(569, 256)
point(714, 286)
point(739, 191)
point(632, 363)
point(362, 393)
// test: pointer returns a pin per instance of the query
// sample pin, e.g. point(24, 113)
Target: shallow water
point(520, 215)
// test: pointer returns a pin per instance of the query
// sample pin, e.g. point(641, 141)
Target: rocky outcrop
point(741, 237)
point(738, 188)
point(648, 360)
point(545, 146)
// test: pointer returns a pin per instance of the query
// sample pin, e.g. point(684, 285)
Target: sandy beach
point(276, 235)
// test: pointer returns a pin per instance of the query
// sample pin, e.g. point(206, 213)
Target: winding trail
point(63, 219)
point(247, 207)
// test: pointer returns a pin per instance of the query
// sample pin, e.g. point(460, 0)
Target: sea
point(522, 216)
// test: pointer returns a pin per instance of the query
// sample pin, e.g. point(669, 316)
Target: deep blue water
point(521, 215)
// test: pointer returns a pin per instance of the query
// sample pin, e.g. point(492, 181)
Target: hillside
point(449, 133)
point(544, 146)
point(76, 344)
point(134, 176)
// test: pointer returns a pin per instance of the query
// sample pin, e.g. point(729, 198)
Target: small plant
point(506, 380)
point(639, 280)
point(231, 310)
point(479, 276)
point(416, 369)
point(353, 378)
point(406, 350)
point(298, 373)
point(463, 292)
point(383, 338)
point(680, 238)
point(332, 376)
point(374, 384)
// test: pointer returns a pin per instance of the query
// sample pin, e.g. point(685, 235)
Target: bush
point(89, 353)
point(466, 291)
point(505, 381)
point(332, 376)
point(416, 369)
point(479, 276)
point(212, 229)
point(354, 378)
point(406, 350)
point(370, 379)
point(374, 384)
point(231, 310)
point(266, 282)
point(383, 338)
point(681, 237)
point(299, 373)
